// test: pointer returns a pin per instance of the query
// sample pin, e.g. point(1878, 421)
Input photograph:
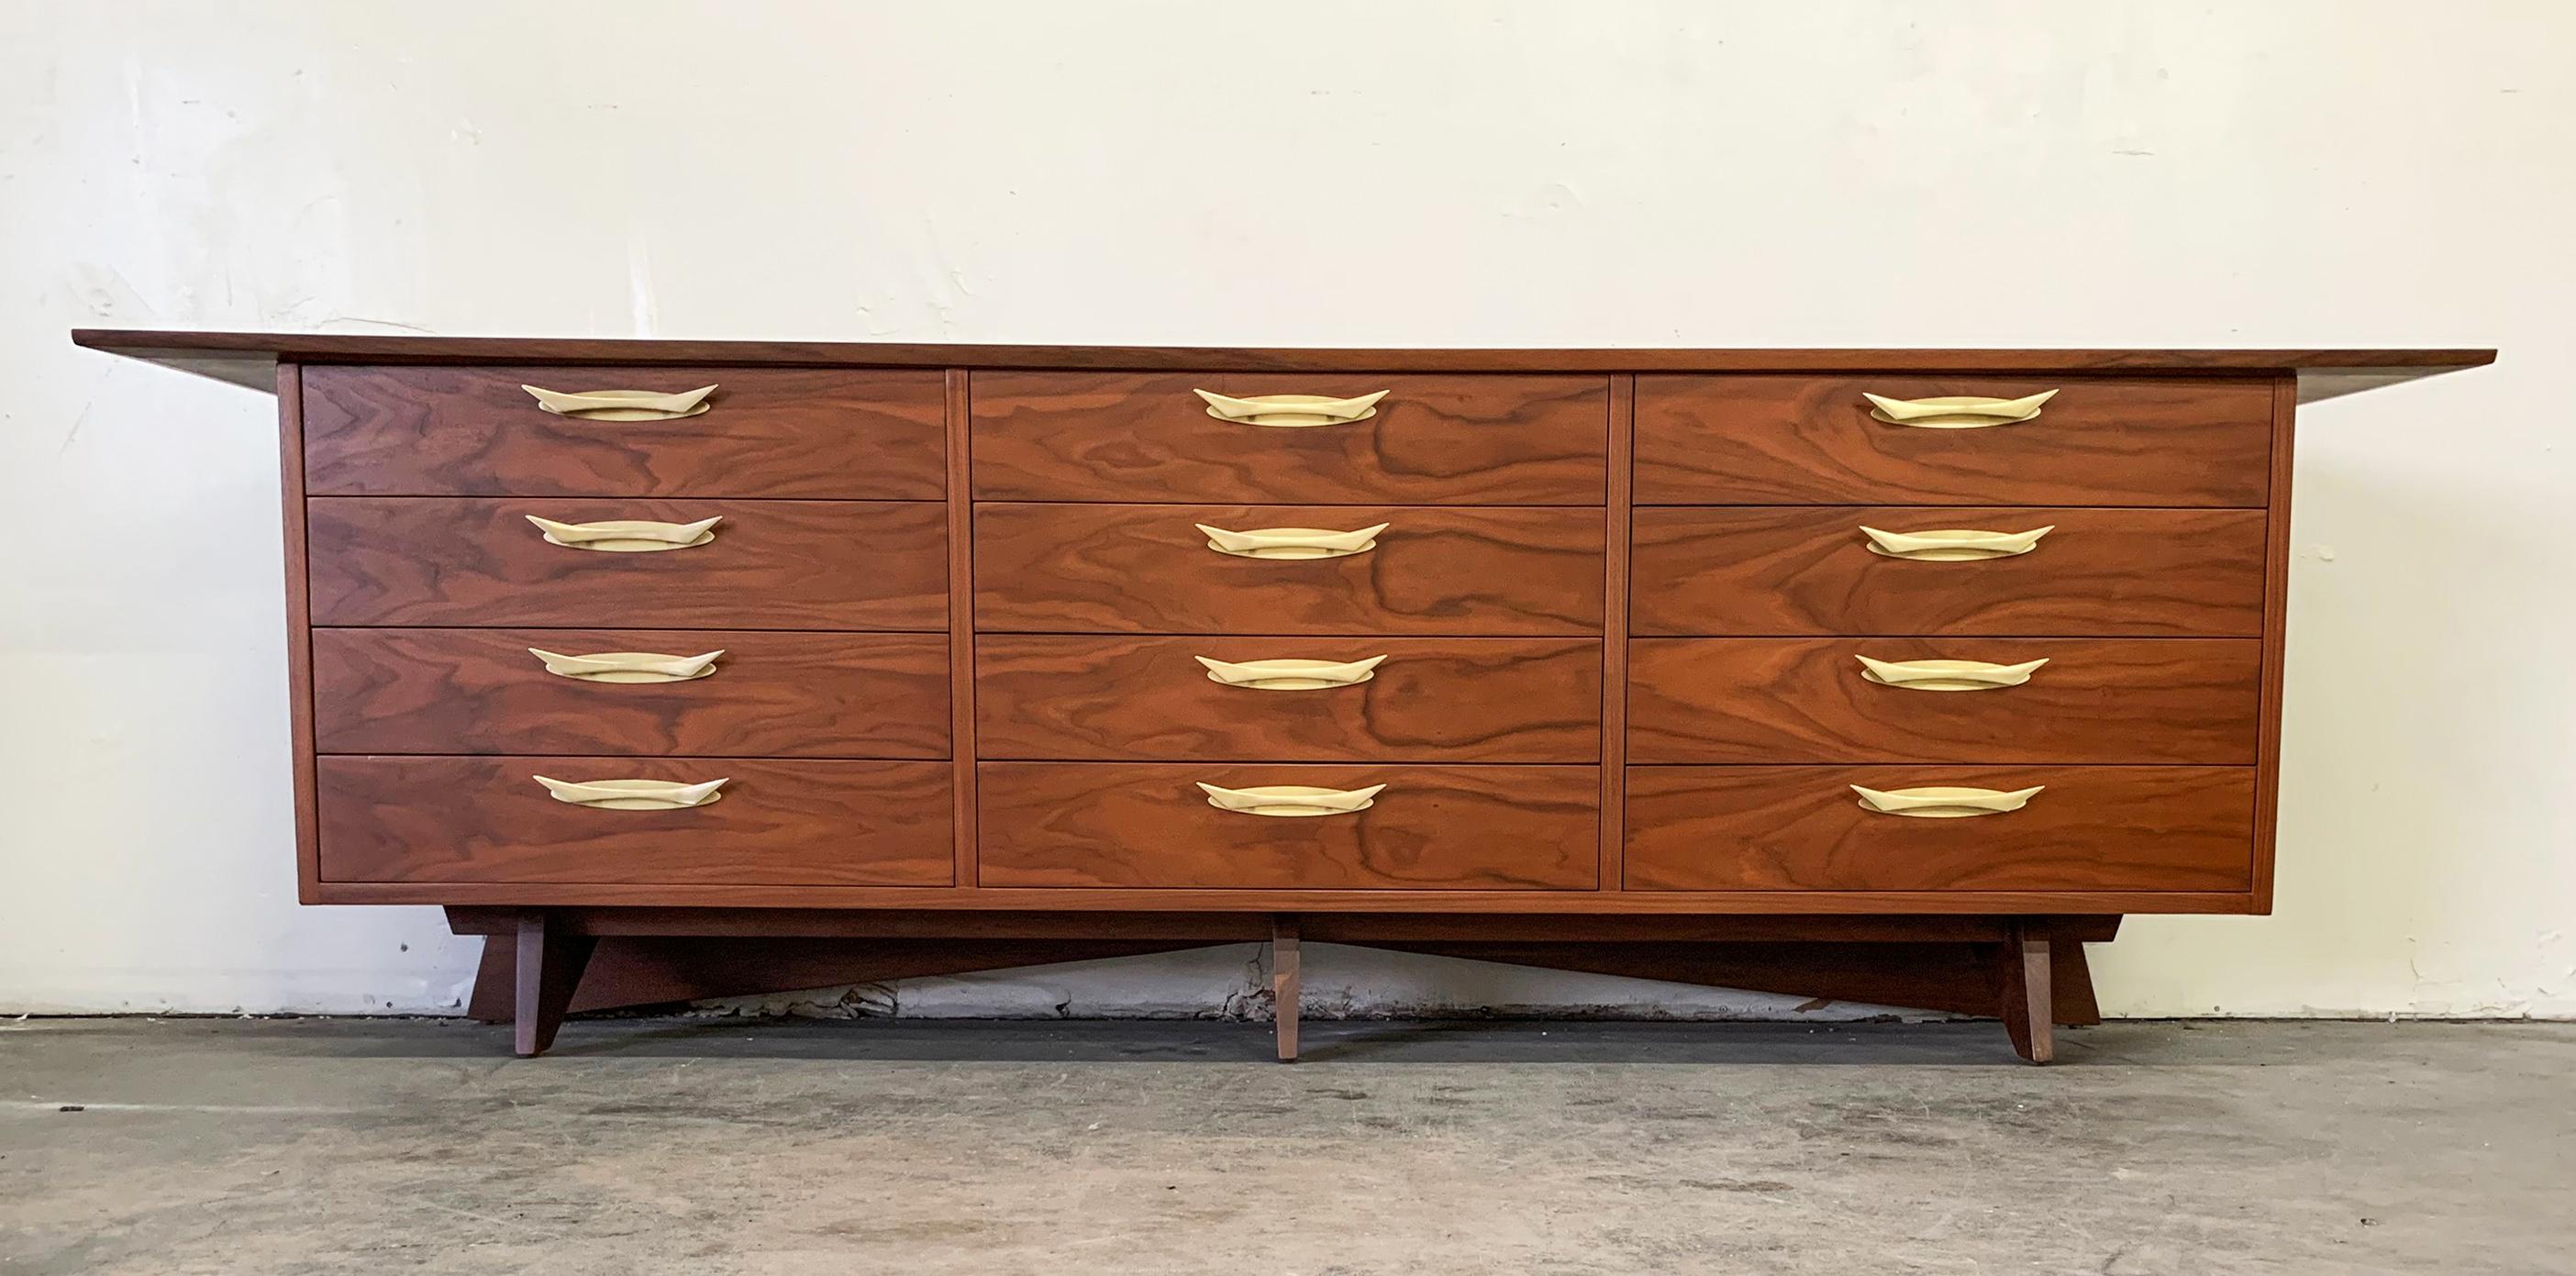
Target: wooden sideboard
point(1881, 675)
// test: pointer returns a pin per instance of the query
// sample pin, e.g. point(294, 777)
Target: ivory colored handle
point(1941, 803)
point(627, 536)
point(1956, 412)
point(1290, 675)
point(1290, 409)
point(1291, 542)
point(622, 405)
point(627, 666)
point(1947, 675)
point(633, 795)
point(1953, 546)
point(1291, 800)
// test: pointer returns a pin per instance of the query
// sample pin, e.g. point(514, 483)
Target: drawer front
point(1783, 828)
point(1751, 700)
point(1785, 440)
point(1149, 569)
point(1109, 824)
point(1447, 440)
point(770, 565)
point(770, 694)
point(1425, 700)
point(1812, 570)
point(783, 432)
point(775, 823)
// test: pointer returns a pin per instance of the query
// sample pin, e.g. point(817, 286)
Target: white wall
point(1316, 173)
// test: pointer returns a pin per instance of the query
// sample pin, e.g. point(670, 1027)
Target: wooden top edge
point(195, 349)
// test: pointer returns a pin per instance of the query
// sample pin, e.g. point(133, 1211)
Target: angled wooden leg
point(2027, 1001)
point(1284, 984)
point(549, 966)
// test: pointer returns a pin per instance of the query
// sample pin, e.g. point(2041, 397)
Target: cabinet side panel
point(2276, 615)
point(299, 630)
point(961, 627)
point(1614, 636)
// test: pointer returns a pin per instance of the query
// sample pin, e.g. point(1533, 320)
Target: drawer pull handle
point(1291, 542)
point(633, 795)
point(1947, 675)
point(1291, 800)
point(626, 536)
point(1943, 803)
point(1953, 546)
point(1956, 412)
point(1291, 410)
point(627, 666)
point(622, 405)
point(1291, 675)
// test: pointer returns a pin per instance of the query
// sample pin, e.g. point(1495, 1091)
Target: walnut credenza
point(1881, 675)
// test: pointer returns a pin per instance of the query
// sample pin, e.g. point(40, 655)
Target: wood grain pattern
point(1785, 440)
point(1207, 927)
point(773, 694)
point(1436, 440)
point(1529, 904)
point(179, 344)
point(299, 651)
point(772, 565)
point(1616, 586)
point(1077, 697)
point(1787, 828)
point(2025, 994)
point(1753, 700)
point(1496, 571)
point(960, 516)
point(795, 823)
point(1807, 570)
point(776, 432)
point(1435, 828)
point(544, 971)
point(2276, 622)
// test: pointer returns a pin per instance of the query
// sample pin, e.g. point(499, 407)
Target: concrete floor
point(1056, 1148)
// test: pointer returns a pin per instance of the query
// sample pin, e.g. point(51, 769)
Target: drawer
point(1424, 700)
point(770, 694)
point(1086, 824)
point(1785, 440)
point(2170, 700)
point(1791, 828)
point(769, 565)
point(1812, 570)
point(1446, 440)
point(1497, 571)
point(778, 432)
point(774, 823)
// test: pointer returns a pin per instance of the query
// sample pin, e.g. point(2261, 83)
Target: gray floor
point(720, 1146)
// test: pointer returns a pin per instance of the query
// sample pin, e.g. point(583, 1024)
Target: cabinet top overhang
point(250, 358)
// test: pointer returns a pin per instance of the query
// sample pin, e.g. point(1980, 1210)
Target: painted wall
point(1330, 173)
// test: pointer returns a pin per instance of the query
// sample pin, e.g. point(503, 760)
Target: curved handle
point(1947, 675)
point(1953, 546)
point(1290, 409)
point(1940, 803)
point(627, 536)
point(633, 795)
point(1291, 675)
point(1291, 800)
point(1957, 411)
point(622, 405)
point(1291, 542)
point(627, 666)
